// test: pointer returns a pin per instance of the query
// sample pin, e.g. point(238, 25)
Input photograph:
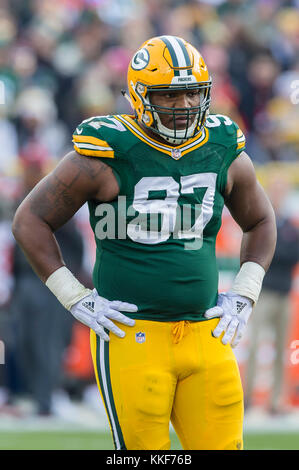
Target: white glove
point(234, 311)
point(95, 311)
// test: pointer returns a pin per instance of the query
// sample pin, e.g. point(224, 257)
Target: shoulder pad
point(225, 132)
point(94, 136)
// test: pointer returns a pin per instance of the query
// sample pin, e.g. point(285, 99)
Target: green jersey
point(155, 243)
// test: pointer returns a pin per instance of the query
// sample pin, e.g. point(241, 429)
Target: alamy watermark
point(295, 354)
point(2, 352)
point(157, 221)
point(294, 97)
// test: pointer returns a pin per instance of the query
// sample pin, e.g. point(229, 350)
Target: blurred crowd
point(66, 60)
point(62, 61)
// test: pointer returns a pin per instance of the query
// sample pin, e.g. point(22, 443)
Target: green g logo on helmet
point(140, 59)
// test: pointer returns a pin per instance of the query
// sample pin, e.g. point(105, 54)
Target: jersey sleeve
point(90, 140)
point(236, 145)
point(226, 133)
point(241, 141)
point(87, 141)
point(231, 136)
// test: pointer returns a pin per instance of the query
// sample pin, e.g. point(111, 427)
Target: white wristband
point(249, 279)
point(68, 290)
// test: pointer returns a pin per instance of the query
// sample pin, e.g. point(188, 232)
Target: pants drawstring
point(178, 331)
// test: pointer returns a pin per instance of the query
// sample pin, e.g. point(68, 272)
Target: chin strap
point(125, 95)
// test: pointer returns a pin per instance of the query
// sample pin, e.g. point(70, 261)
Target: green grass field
point(66, 440)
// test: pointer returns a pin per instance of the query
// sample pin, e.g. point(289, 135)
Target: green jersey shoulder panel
point(101, 136)
point(223, 132)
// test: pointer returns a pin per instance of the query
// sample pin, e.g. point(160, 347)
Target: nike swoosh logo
point(79, 132)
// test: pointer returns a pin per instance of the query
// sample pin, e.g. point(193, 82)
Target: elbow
point(266, 222)
point(22, 221)
point(25, 224)
point(17, 225)
point(270, 221)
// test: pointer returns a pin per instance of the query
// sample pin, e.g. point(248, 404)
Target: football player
point(156, 183)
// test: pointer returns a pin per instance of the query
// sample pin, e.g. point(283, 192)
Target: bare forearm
point(252, 210)
point(258, 243)
point(38, 243)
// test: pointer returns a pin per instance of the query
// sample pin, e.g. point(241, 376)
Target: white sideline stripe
point(98, 423)
point(105, 391)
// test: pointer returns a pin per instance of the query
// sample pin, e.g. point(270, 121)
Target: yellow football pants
point(170, 371)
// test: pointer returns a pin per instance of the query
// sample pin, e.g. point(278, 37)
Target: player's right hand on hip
point(97, 312)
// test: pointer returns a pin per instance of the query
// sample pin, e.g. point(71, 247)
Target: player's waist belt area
point(179, 330)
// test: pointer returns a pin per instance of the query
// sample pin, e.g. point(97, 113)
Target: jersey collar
point(174, 152)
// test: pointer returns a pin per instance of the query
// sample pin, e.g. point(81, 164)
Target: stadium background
point(63, 61)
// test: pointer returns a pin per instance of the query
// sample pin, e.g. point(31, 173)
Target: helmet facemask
point(195, 116)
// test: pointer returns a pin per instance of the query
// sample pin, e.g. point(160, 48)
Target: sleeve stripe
point(92, 147)
point(241, 145)
point(94, 153)
point(91, 140)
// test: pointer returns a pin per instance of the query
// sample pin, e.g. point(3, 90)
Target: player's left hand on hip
point(234, 312)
